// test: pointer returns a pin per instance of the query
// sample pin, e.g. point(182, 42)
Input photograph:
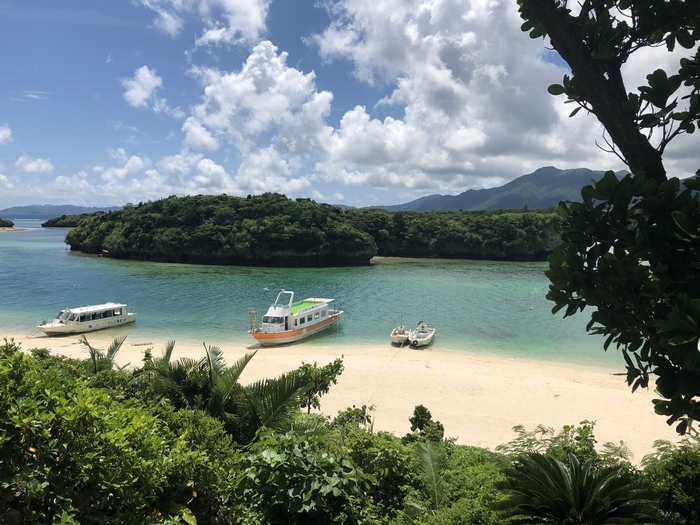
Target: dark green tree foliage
point(387, 459)
point(423, 428)
point(674, 472)
point(6, 223)
point(571, 439)
point(69, 221)
point(466, 487)
point(303, 478)
point(505, 235)
point(630, 250)
point(70, 453)
point(273, 230)
point(541, 489)
point(269, 230)
point(320, 380)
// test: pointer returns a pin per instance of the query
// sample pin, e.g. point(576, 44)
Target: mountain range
point(44, 212)
point(543, 188)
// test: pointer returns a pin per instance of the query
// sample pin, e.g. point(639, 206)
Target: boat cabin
point(285, 314)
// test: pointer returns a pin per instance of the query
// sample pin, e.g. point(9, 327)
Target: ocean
point(497, 308)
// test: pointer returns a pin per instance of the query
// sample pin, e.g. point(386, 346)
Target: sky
point(354, 102)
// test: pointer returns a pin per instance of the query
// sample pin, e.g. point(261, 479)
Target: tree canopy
point(631, 249)
point(272, 230)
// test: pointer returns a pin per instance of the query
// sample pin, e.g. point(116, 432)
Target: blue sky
point(343, 101)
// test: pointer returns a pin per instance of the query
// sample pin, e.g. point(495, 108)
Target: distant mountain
point(48, 211)
point(543, 188)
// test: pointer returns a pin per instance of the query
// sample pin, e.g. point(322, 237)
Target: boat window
point(272, 319)
point(317, 315)
point(302, 320)
point(323, 313)
point(117, 311)
point(72, 317)
point(83, 318)
point(107, 313)
point(309, 318)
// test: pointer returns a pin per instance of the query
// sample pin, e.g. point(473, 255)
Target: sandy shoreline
point(479, 399)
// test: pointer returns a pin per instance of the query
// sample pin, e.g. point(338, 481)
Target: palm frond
point(429, 464)
point(114, 348)
point(95, 354)
point(543, 489)
point(168, 351)
point(237, 369)
point(272, 403)
point(216, 363)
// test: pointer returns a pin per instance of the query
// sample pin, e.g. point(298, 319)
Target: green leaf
point(556, 89)
point(685, 39)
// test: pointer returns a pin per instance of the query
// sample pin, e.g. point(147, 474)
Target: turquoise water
point(496, 308)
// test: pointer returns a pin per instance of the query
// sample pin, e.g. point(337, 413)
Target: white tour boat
point(88, 319)
point(287, 321)
point(421, 335)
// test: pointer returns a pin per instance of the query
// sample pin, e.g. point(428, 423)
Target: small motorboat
point(399, 335)
point(422, 335)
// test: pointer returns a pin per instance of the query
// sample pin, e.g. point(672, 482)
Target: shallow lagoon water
point(476, 306)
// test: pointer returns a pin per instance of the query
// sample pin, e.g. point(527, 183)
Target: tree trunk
point(605, 96)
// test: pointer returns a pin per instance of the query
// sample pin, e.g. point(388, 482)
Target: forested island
point(5, 223)
point(273, 230)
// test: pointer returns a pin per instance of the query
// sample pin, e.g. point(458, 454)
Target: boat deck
point(302, 305)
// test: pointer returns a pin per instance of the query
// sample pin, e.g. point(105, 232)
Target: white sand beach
point(479, 399)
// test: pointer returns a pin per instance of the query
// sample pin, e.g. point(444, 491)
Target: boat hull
point(417, 339)
point(55, 328)
point(399, 335)
point(292, 336)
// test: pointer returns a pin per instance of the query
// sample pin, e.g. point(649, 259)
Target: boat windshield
point(268, 319)
point(63, 315)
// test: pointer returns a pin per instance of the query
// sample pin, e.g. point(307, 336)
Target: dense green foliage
point(674, 471)
point(319, 380)
point(6, 223)
point(504, 235)
point(268, 230)
point(562, 477)
point(273, 230)
point(81, 443)
point(630, 250)
point(542, 489)
point(72, 453)
point(69, 221)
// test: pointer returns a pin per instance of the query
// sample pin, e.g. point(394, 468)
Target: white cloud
point(266, 107)
point(130, 167)
point(5, 183)
point(211, 175)
point(5, 134)
point(142, 87)
point(472, 89)
point(225, 21)
point(27, 164)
